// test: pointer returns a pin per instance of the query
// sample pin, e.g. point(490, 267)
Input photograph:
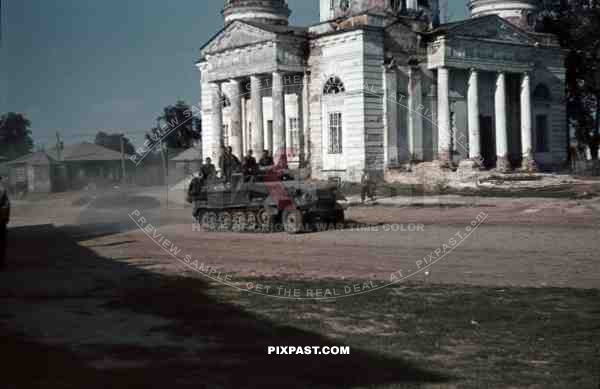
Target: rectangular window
point(332, 5)
point(226, 135)
point(541, 133)
point(335, 133)
point(294, 134)
point(269, 144)
point(249, 136)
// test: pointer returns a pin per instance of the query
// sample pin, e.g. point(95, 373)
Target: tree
point(15, 136)
point(113, 142)
point(576, 23)
point(179, 128)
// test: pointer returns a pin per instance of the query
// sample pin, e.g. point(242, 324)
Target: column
point(415, 114)
point(305, 134)
point(473, 117)
point(502, 163)
point(216, 120)
point(390, 117)
point(258, 134)
point(526, 124)
point(444, 137)
point(279, 141)
point(235, 96)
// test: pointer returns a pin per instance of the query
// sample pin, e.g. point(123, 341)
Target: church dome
point(520, 12)
point(263, 11)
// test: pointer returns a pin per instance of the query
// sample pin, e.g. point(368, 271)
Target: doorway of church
point(488, 141)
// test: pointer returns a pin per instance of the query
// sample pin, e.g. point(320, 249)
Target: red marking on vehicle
point(272, 180)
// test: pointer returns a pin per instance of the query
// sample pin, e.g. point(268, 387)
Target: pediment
point(492, 28)
point(237, 34)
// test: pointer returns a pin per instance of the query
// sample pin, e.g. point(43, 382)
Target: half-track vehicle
point(264, 204)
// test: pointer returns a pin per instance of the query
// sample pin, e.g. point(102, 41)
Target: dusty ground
point(87, 293)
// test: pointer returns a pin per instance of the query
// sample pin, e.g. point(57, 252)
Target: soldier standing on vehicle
point(266, 160)
point(236, 164)
point(367, 186)
point(208, 170)
point(195, 188)
point(249, 167)
point(225, 165)
point(4, 218)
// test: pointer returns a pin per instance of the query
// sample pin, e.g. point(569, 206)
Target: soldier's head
point(208, 161)
point(265, 153)
point(230, 149)
point(249, 153)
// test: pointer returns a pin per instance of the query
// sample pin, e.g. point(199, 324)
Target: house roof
point(191, 154)
point(86, 152)
point(39, 158)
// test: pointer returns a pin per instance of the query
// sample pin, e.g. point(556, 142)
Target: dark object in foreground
point(267, 203)
point(4, 218)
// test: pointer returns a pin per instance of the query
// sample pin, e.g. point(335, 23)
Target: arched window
point(395, 5)
point(344, 5)
point(333, 86)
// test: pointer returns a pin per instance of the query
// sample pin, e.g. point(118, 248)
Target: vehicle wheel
point(293, 221)
point(265, 219)
point(239, 221)
point(251, 221)
point(209, 221)
point(225, 221)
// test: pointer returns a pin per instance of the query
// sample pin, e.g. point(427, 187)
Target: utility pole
point(123, 170)
point(59, 147)
point(162, 150)
point(60, 175)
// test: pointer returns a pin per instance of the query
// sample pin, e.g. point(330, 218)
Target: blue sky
point(80, 66)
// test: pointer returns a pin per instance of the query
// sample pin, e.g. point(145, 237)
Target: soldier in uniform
point(266, 160)
point(368, 186)
point(4, 218)
point(208, 170)
point(249, 167)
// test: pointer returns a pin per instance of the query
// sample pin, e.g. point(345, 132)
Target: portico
point(254, 74)
point(498, 61)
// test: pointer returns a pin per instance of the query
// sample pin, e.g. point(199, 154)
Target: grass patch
point(485, 337)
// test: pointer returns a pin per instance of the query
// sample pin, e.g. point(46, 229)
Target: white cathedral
point(380, 85)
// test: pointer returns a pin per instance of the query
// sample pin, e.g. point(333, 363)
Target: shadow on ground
point(69, 318)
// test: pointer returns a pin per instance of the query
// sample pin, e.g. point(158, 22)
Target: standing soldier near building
point(367, 186)
point(4, 218)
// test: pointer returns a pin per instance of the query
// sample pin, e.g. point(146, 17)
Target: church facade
point(380, 85)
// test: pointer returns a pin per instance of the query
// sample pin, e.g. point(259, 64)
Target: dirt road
point(88, 299)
